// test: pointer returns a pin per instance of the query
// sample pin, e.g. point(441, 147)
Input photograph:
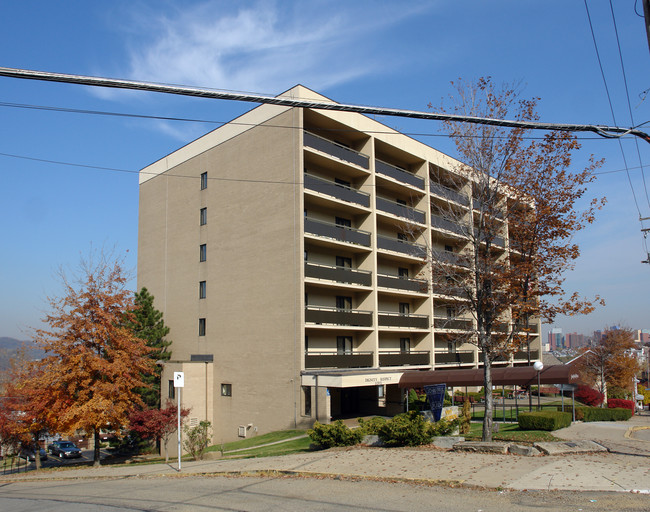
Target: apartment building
point(288, 252)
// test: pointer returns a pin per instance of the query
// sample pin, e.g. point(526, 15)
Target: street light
point(539, 366)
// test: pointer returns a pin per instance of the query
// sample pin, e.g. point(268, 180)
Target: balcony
point(394, 319)
point(441, 223)
point(403, 246)
point(461, 357)
point(444, 288)
point(486, 208)
point(522, 355)
point(402, 283)
point(338, 274)
point(336, 316)
point(336, 232)
point(401, 210)
point(533, 329)
point(497, 359)
point(398, 358)
point(334, 360)
point(453, 258)
point(336, 190)
point(336, 150)
point(448, 193)
point(399, 174)
point(497, 240)
point(456, 324)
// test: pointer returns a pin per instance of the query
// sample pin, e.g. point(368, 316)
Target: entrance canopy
point(514, 376)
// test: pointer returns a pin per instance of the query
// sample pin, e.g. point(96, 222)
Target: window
point(342, 183)
point(403, 272)
point(306, 255)
point(343, 302)
point(171, 392)
point(451, 346)
point(343, 262)
point(449, 248)
point(344, 345)
point(306, 400)
point(404, 308)
point(405, 345)
point(340, 221)
point(402, 237)
point(306, 344)
point(203, 252)
point(203, 216)
point(201, 326)
point(451, 312)
point(226, 389)
point(400, 202)
point(202, 289)
point(381, 391)
point(204, 180)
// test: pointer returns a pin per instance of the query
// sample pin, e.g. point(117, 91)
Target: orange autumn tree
point(26, 412)
point(93, 363)
point(504, 263)
point(608, 361)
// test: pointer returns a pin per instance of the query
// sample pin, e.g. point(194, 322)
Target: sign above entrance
point(351, 381)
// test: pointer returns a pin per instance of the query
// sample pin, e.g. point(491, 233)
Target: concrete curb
point(631, 430)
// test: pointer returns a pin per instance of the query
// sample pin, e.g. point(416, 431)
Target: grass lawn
point(511, 432)
point(252, 442)
point(295, 446)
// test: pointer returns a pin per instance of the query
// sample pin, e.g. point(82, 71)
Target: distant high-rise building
point(555, 338)
point(575, 340)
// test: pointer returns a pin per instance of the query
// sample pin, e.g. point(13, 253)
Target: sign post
point(179, 382)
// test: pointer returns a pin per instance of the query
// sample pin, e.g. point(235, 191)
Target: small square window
point(203, 252)
point(226, 389)
point(201, 326)
point(204, 180)
point(203, 216)
point(202, 289)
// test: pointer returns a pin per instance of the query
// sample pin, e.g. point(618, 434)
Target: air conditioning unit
point(242, 431)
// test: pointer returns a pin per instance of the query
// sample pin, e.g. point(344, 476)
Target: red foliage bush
point(589, 396)
point(615, 403)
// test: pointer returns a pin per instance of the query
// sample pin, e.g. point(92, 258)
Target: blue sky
point(392, 54)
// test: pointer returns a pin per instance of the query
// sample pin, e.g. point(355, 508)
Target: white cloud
point(262, 47)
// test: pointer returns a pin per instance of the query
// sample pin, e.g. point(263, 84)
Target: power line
point(627, 95)
point(70, 110)
point(603, 131)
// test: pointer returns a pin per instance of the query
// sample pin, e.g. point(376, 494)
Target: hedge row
point(544, 420)
point(617, 403)
point(598, 414)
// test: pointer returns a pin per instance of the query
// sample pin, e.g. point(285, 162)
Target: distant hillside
point(9, 348)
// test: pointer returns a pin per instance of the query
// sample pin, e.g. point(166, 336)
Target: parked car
point(64, 449)
point(28, 454)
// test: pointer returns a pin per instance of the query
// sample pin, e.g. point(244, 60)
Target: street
point(291, 494)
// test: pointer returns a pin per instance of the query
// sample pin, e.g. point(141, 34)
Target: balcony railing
point(444, 288)
point(532, 329)
point(338, 274)
point(404, 358)
point(497, 359)
point(453, 258)
point(333, 360)
point(403, 246)
point(522, 355)
point(331, 188)
point(479, 205)
point(341, 233)
point(457, 324)
point(394, 319)
point(400, 210)
point(461, 357)
point(448, 193)
point(441, 223)
point(332, 148)
point(336, 316)
point(402, 283)
point(399, 174)
point(497, 240)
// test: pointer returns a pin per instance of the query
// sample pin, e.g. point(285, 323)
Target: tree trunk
point(166, 452)
point(37, 452)
point(96, 451)
point(487, 383)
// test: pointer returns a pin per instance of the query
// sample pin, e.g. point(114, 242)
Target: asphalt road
point(291, 494)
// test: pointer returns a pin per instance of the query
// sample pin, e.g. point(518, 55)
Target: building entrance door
point(349, 401)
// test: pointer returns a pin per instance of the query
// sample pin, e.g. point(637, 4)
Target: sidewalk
point(625, 468)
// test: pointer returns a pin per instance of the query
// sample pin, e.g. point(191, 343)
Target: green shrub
point(544, 420)
point(444, 427)
point(372, 425)
point(598, 414)
point(197, 439)
point(407, 429)
point(334, 434)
